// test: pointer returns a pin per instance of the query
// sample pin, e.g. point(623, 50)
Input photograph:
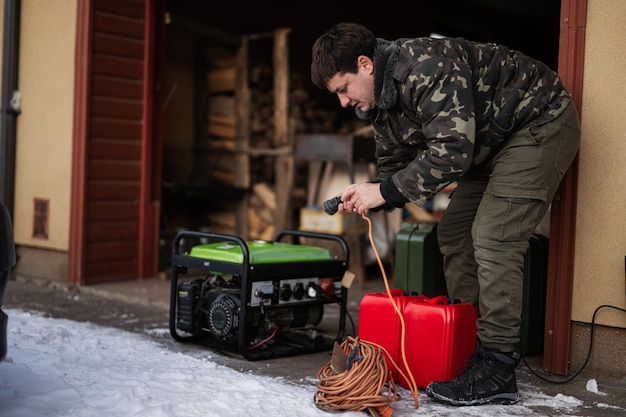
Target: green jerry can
point(419, 262)
point(419, 269)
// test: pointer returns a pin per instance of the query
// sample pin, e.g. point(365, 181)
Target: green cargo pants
point(486, 228)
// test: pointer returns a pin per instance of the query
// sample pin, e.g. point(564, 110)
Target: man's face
point(356, 90)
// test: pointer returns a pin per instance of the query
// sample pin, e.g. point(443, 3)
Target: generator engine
point(213, 304)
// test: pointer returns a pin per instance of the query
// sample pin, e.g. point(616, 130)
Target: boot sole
point(508, 398)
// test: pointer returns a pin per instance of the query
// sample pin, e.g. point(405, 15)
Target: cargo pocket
point(510, 212)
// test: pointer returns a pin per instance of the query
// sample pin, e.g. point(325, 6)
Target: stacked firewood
point(305, 116)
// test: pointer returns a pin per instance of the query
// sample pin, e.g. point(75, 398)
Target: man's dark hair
point(336, 51)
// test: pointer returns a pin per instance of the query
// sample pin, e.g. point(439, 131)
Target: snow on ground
point(58, 367)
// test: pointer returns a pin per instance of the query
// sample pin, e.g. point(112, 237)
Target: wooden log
point(264, 213)
point(224, 144)
point(255, 223)
point(222, 218)
point(266, 194)
point(268, 233)
point(222, 105)
point(222, 126)
point(222, 79)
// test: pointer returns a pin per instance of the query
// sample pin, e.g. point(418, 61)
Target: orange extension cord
point(362, 386)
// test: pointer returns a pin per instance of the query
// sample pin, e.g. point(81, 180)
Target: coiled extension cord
point(366, 384)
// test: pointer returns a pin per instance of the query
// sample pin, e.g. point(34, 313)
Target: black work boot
point(490, 378)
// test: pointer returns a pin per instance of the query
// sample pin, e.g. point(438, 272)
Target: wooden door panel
point(112, 230)
point(116, 128)
point(113, 66)
point(112, 190)
point(114, 45)
point(110, 148)
point(111, 142)
point(114, 170)
point(115, 107)
point(116, 87)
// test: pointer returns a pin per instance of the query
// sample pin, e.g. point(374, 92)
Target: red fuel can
point(380, 323)
point(439, 335)
point(439, 338)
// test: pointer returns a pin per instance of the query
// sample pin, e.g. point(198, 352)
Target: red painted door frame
point(563, 219)
point(76, 252)
point(149, 225)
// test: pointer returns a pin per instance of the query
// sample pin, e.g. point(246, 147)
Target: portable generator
point(262, 299)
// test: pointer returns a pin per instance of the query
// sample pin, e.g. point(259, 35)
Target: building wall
point(601, 222)
point(44, 128)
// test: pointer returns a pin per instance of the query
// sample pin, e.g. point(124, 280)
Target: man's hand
point(358, 198)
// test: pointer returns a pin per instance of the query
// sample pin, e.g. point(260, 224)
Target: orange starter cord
point(340, 391)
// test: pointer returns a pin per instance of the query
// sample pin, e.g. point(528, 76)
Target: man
point(499, 124)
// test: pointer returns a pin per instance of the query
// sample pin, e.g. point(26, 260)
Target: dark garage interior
point(199, 190)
